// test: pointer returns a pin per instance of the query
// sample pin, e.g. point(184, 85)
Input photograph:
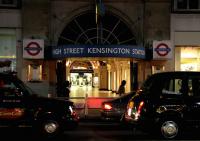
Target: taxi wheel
point(50, 128)
point(169, 129)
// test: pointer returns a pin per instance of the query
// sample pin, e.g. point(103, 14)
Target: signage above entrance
point(128, 51)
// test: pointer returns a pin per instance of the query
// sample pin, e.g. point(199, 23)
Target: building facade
point(34, 25)
point(185, 28)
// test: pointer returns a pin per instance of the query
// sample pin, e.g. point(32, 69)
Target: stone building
point(118, 35)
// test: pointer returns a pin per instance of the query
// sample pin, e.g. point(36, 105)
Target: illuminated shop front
point(185, 38)
point(186, 47)
point(7, 50)
point(188, 58)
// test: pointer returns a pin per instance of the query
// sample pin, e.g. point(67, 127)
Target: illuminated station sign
point(128, 51)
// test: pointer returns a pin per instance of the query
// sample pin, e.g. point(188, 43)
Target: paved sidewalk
point(77, 91)
point(87, 100)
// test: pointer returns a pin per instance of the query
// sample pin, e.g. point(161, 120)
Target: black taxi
point(21, 107)
point(166, 104)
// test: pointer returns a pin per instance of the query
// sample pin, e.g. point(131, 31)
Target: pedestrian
point(121, 89)
point(66, 89)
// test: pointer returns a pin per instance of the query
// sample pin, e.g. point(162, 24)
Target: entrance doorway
point(99, 72)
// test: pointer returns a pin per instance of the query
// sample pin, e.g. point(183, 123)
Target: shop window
point(189, 58)
point(35, 73)
point(7, 50)
point(157, 69)
point(5, 65)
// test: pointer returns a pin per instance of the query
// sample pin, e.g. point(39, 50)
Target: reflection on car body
point(115, 108)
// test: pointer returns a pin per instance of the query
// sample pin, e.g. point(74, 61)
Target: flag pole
point(100, 12)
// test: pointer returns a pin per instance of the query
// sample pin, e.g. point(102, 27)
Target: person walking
point(121, 89)
point(66, 88)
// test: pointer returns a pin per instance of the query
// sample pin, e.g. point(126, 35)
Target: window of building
point(187, 58)
point(10, 3)
point(194, 4)
point(190, 59)
point(34, 73)
point(7, 1)
point(181, 4)
point(186, 5)
point(157, 69)
point(7, 50)
point(113, 31)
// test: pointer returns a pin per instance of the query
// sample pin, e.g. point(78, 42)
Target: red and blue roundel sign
point(33, 48)
point(162, 49)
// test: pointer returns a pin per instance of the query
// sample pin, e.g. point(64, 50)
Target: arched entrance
point(83, 29)
point(107, 72)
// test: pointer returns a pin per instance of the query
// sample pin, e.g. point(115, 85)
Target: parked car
point(167, 103)
point(114, 109)
point(20, 107)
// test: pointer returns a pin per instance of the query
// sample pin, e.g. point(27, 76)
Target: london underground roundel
point(162, 49)
point(33, 48)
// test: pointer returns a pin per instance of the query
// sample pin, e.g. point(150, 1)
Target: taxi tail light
point(130, 108)
point(141, 105)
point(73, 113)
point(107, 106)
point(75, 116)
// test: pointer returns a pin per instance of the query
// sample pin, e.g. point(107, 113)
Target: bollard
point(86, 105)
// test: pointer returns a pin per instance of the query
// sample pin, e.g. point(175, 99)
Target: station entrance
point(97, 75)
point(98, 55)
